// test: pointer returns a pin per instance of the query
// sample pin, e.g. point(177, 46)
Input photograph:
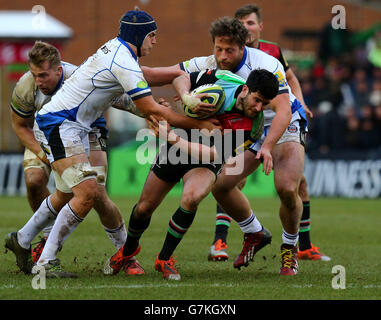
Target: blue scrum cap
point(135, 25)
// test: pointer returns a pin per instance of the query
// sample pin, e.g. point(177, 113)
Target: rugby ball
point(216, 97)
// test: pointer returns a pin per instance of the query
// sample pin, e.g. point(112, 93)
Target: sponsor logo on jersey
point(142, 84)
point(105, 50)
point(281, 79)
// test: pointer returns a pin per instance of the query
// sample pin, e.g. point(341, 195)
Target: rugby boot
point(168, 268)
point(53, 270)
point(36, 252)
point(289, 260)
point(252, 243)
point(23, 256)
point(133, 268)
point(312, 254)
point(218, 251)
point(116, 262)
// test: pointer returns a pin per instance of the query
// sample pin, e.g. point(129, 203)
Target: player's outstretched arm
point(160, 76)
point(163, 130)
point(125, 103)
point(148, 107)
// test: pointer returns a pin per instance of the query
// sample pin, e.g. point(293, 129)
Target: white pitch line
point(175, 285)
point(131, 286)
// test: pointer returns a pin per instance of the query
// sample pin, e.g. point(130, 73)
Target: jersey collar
point(59, 84)
point(242, 61)
point(128, 47)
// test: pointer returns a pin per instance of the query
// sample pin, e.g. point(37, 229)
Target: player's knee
point(241, 184)
point(303, 191)
point(192, 198)
point(102, 196)
point(35, 182)
point(87, 193)
point(288, 196)
point(144, 209)
point(220, 188)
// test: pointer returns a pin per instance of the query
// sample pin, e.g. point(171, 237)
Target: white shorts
point(32, 161)
point(67, 140)
point(294, 133)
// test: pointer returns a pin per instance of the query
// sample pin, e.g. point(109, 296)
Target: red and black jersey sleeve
point(274, 50)
point(200, 78)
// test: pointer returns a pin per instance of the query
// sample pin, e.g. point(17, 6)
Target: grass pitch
point(346, 230)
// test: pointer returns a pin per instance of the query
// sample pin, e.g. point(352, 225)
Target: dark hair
point(264, 82)
point(231, 28)
point(248, 9)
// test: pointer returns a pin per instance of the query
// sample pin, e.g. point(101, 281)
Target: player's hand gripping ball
point(216, 96)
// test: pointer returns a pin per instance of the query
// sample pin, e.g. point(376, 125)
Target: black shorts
point(175, 172)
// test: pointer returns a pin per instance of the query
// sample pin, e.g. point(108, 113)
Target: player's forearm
point(27, 139)
point(278, 126)
point(182, 84)
point(160, 76)
point(178, 120)
point(149, 107)
point(296, 89)
point(196, 150)
point(125, 103)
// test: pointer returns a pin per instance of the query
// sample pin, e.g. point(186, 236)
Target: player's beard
point(228, 65)
point(243, 103)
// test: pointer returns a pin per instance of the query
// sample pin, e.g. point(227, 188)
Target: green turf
point(346, 230)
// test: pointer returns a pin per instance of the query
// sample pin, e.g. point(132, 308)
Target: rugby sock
point(136, 228)
point(223, 221)
point(117, 236)
point(288, 238)
point(44, 216)
point(304, 228)
point(67, 221)
point(251, 224)
point(47, 229)
point(178, 226)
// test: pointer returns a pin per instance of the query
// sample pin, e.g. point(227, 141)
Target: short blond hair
point(43, 51)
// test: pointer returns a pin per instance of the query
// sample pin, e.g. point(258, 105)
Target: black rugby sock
point(136, 228)
point(178, 226)
point(223, 221)
point(304, 228)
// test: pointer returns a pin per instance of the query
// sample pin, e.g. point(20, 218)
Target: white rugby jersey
point(252, 59)
point(111, 71)
point(27, 98)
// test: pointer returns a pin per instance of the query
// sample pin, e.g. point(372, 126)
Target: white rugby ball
point(216, 97)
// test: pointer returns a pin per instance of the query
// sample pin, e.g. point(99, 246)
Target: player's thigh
point(235, 170)
point(153, 193)
point(98, 158)
point(288, 158)
point(198, 183)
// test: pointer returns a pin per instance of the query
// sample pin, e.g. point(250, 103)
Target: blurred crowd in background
point(342, 87)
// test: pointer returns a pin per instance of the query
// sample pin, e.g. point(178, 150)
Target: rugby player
point(33, 90)
point(250, 17)
point(244, 102)
point(63, 124)
point(286, 146)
